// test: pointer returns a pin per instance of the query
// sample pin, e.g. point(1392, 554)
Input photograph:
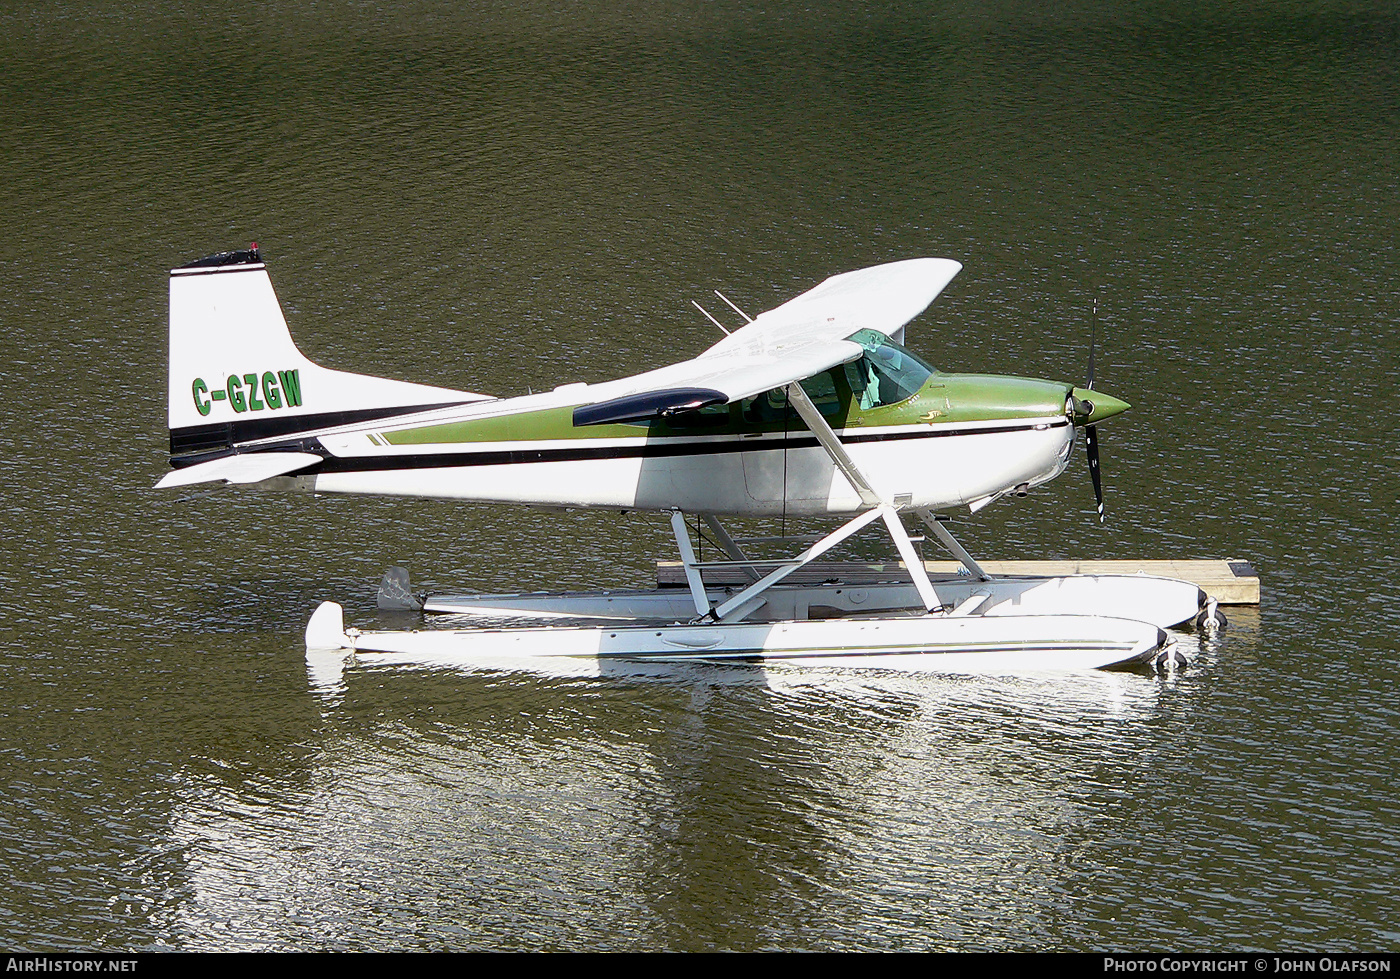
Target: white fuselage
point(924, 466)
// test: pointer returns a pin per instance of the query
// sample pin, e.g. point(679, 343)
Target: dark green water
point(503, 197)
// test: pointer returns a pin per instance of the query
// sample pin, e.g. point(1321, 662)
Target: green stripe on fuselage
point(944, 399)
point(525, 426)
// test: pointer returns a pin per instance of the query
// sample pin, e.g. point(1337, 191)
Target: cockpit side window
point(887, 373)
point(821, 388)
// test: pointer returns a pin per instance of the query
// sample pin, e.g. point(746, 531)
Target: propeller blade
point(1093, 337)
point(1091, 450)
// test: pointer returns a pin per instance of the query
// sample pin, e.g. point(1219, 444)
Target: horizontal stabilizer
point(251, 468)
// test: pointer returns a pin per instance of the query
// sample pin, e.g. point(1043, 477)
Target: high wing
point(796, 340)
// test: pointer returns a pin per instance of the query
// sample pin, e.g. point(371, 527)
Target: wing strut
point(809, 413)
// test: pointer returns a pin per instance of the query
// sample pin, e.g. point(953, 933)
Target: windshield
point(887, 373)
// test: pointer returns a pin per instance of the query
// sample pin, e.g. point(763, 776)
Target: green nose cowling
point(1104, 406)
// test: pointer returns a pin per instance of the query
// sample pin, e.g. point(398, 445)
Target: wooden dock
point(1229, 582)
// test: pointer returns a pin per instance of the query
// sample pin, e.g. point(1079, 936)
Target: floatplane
point(814, 408)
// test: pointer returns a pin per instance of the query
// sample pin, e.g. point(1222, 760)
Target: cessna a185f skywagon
point(814, 408)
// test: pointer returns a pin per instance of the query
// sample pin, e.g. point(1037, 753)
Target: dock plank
point(1228, 581)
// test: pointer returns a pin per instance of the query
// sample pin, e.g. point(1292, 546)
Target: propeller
point(1090, 408)
point(1091, 432)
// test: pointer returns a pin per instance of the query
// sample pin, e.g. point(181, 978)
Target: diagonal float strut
point(876, 507)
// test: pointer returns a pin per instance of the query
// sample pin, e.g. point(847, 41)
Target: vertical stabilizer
point(236, 376)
